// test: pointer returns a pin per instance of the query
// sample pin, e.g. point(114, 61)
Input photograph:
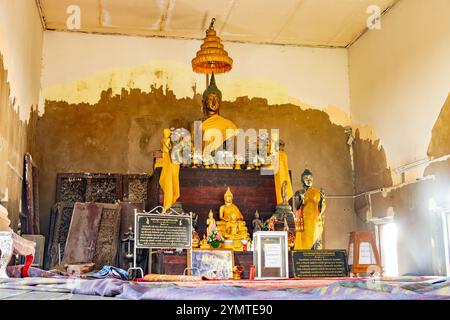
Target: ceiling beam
point(115, 33)
point(367, 29)
point(41, 14)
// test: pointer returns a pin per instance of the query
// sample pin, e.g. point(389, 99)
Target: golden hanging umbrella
point(212, 58)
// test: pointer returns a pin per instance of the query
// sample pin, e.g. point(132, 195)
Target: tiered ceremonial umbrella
point(212, 58)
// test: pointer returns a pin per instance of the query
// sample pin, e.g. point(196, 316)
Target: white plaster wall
point(77, 67)
point(21, 37)
point(400, 77)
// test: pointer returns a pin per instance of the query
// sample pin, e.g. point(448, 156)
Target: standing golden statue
point(309, 206)
point(169, 179)
point(281, 175)
point(232, 225)
point(211, 224)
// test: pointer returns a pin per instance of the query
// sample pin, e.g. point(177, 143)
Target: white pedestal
point(6, 251)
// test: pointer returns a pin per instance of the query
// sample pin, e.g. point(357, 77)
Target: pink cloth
point(23, 246)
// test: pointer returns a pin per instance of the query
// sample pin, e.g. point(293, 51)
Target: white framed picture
point(213, 264)
point(270, 255)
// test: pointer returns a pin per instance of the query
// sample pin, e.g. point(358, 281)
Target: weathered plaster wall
point(21, 37)
point(20, 71)
point(400, 77)
point(78, 67)
point(399, 82)
point(119, 132)
point(109, 97)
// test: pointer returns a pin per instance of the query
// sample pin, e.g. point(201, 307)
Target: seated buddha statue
point(232, 225)
point(232, 228)
point(213, 122)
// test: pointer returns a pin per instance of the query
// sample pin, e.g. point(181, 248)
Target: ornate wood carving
point(108, 235)
point(83, 233)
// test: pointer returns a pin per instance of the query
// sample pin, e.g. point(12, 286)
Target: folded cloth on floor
point(16, 272)
point(171, 278)
point(109, 272)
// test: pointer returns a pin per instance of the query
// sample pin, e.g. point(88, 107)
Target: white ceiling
point(323, 23)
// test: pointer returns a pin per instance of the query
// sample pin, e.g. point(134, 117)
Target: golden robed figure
point(232, 225)
point(169, 179)
point(309, 209)
point(282, 175)
point(214, 123)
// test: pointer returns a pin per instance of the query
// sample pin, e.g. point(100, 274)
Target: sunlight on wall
point(389, 257)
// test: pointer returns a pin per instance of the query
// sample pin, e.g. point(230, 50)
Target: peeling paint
point(178, 77)
point(183, 82)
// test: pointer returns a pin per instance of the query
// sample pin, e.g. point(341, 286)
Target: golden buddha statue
point(214, 123)
point(310, 206)
point(232, 225)
point(169, 179)
point(204, 243)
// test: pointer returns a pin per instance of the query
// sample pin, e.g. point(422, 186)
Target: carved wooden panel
point(135, 187)
point(71, 188)
point(104, 188)
point(60, 218)
point(87, 187)
point(108, 235)
point(83, 233)
point(30, 194)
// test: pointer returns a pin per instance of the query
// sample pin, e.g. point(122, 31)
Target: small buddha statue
point(227, 209)
point(271, 223)
point(256, 223)
point(211, 224)
point(195, 239)
point(204, 243)
point(232, 225)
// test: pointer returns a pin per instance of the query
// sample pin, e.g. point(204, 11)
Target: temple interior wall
point(109, 106)
point(21, 37)
point(106, 99)
point(399, 96)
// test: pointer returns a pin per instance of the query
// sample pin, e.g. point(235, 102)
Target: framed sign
point(213, 264)
point(160, 230)
point(270, 255)
point(163, 231)
point(319, 263)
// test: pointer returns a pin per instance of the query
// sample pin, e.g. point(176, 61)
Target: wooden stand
point(363, 256)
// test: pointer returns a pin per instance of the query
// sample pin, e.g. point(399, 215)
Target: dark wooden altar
point(170, 262)
point(203, 189)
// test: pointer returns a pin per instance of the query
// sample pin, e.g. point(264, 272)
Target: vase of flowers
point(215, 239)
